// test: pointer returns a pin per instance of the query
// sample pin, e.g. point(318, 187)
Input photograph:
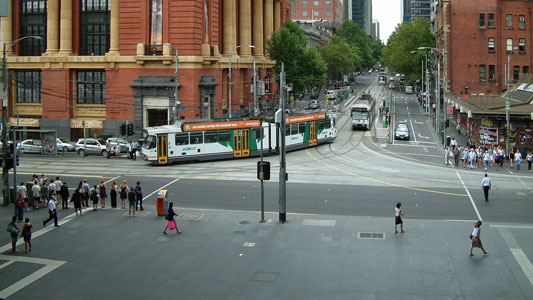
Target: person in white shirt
point(476, 238)
point(22, 191)
point(453, 143)
point(529, 158)
point(52, 211)
point(518, 159)
point(485, 186)
point(57, 188)
point(486, 159)
point(471, 158)
point(36, 191)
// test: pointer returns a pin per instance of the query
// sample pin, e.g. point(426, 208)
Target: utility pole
point(437, 118)
point(282, 167)
point(508, 106)
point(5, 169)
point(255, 92)
point(176, 107)
point(230, 83)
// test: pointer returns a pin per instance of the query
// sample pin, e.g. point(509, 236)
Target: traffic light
point(123, 129)
point(266, 170)
point(130, 129)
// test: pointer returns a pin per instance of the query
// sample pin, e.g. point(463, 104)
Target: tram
point(362, 112)
point(204, 140)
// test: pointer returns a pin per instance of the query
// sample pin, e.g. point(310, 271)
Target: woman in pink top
point(398, 218)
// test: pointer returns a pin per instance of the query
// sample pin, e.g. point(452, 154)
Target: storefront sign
point(24, 122)
point(449, 109)
point(88, 124)
point(486, 123)
point(489, 135)
point(221, 125)
point(305, 118)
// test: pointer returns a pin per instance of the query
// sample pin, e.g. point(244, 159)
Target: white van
point(408, 89)
point(331, 94)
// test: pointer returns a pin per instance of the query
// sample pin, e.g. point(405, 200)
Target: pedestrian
point(456, 153)
point(485, 186)
point(518, 159)
point(446, 155)
point(171, 223)
point(465, 157)
point(86, 193)
point(130, 150)
point(529, 160)
point(486, 159)
point(501, 153)
point(22, 191)
point(113, 194)
point(453, 143)
point(458, 128)
point(476, 238)
point(94, 197)
point(13, 230)
point(398, 218)
point(139, 196)
point(52, 211)
point(77, 198)
point(19, 205)
point(64, 195)
point(123, 190)
point(108, 150)
point(471, 158)
point(134, 147)
point(103, 193)
point(26, 234)
point(117, 150)
point(511, 157)
point(58, 185)
point(43, 179)
point(36, 191)
point(44, 192)
point(133, 202)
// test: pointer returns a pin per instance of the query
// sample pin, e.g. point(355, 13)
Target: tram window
point(197, 138)
point(327, 122)
point(294, 129)
point(321, 125)
point(150, 142)
point(255, 133)
point(182, 139)
point(224, 136)
point(287, 129)
point(210, 136)
point(301, 128)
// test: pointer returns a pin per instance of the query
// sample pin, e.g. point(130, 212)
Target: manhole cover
point(243, 222)
point(190, 216)
point(371, 235)
point(265, 276)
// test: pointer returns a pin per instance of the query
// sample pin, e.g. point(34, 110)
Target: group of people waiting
point(133, 147)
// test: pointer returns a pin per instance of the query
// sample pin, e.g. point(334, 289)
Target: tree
point(357, 38)
point(303, 67)
point(408, 37)
point(340, 57)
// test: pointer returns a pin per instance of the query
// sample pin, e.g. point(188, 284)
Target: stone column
point(7, 30)
point(52, 27)
point(258, 28)
point(66, 27)
point(245, 27)
point(234, 24)
point(114, 48)
point(277, 15)
point(269, 19)
point(227, 22)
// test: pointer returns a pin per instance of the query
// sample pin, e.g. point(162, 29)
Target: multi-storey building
point(362, 14)
point(420, 9)
point(405, 11)
point(375, 29)
point(99, 63)
point(326, 10)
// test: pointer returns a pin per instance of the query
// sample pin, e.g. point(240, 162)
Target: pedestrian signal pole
point(282, 167)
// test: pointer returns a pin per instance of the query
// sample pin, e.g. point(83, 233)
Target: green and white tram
point(204, 140)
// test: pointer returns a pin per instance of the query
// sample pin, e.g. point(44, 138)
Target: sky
point(388, 13)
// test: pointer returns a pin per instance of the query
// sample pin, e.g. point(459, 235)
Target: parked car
point(114, 140)
point(30, 146)
point(90, 146)
point(313, 104)
point(401, 132)
point(64, 145)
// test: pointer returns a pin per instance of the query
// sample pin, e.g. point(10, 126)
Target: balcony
point(159, 52)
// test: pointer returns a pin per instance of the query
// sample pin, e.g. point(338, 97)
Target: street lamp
point(3, 95)
point(508, 102)
point(424, 97)
point(437, 117)
point(229, 77)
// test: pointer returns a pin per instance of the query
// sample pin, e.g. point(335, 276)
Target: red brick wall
point(57, 94)
point(134, 19)
point(186, 26)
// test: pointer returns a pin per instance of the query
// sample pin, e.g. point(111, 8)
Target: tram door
point(162, 148)
point(312, 133)
point(241, 143)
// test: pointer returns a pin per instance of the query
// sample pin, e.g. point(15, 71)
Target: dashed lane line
point(469, 196)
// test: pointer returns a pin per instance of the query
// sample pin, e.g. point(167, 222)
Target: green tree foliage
point(340, 57)
point(377, 48)
point(357, 38)
point(304, 67)
point(407, 37)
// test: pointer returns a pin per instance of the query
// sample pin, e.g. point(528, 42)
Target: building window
point(304, 2)
point(522, 45)
point(327, 2)
point(481, 20)
point(521, 22)
point(492, 73)
point(293, 13)
point(156, 22)
point(315, 13)
point(94, 27)
point(516, 73)
point(28, 86)
point(509, 45)
point(328, 13)
point(490, 20)
point(525, 69)
point(491, 44)
point(33, 23)
point(482, 75)
point(509, 20)
point(304, 13)
point(91, 87)
point(293, 3)
point(315, 3)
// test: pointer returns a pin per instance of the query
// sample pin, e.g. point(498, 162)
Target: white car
point(30, 146)
point(63, 145)
point(90, 146)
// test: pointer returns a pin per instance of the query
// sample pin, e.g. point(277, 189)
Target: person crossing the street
point(485, 186)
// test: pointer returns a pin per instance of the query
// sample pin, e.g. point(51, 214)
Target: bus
point(206, 140)
point(362, 112)
point(382, 79)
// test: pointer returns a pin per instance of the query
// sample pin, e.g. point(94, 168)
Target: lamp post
point(437, 117)
point(5, 138)
point(230, 83)
point(424, 98)
point(508, 103)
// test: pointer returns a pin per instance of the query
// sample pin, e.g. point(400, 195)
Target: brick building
point(102, 63)
point(327, 10)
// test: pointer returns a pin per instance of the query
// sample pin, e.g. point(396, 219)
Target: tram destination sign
point(221, 125)
point(304, 118)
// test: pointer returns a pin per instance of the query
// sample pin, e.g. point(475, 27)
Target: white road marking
point(469, 196)
point(511, 226)
point(423, 137)
point(519, 255)
point(413, 128)
point(7, 263)
point(416, 122)
point(161, 188)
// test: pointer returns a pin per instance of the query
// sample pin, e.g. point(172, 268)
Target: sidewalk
point(230, 255)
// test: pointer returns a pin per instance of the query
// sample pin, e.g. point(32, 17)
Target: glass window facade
point(491, 44)
point(509, 45)
point(94, 27)
point(509, 20)
point(521, 22)
point(481, 20)
point(33, 23)
point(490, 20)
point(522, 45)
point(482, 71)
point(492, 73)
point(28, 84)
point(90, 87)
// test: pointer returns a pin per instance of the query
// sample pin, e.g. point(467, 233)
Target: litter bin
point(448, 140)
point(161, 203)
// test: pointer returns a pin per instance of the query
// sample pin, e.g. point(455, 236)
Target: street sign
point(532, 116)
point(507, 106)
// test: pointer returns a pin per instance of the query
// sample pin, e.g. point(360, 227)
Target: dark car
point(401, 132)
point(313, 105)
